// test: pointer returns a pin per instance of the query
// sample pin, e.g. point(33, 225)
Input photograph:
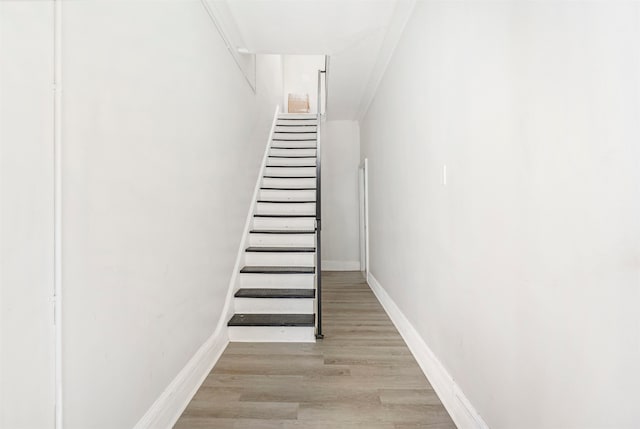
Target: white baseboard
point(462, 412)
point(341, 265)
point(166, 410)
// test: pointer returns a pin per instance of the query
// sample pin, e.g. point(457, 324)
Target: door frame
point(363, 190)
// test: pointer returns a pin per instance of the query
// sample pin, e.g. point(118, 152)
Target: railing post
point(319, 334)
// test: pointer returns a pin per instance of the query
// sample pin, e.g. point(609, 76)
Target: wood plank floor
point(361, 376)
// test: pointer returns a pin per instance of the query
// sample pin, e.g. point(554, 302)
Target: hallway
point(362, 375)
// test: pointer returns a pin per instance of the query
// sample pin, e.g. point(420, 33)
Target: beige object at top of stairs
point(298, 103)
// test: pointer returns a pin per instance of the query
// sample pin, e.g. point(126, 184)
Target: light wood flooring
point(361, 376)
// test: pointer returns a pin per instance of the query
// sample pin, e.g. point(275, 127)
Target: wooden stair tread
point(287, 189)
point(280, 249)
point(292, 147)
point(283, 215)
point(289, 177)
point(287, 201)
point(295, 132)
point(307, 320)
point(277, 270)
point(294, 140)
point(292, 156)
point(282, 231)
point(275, 293)
point(291, 166)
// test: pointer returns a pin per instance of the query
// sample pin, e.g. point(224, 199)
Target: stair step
point(272, 249)
point(275, 293)
point(289, 177)
point(291, 166)
point(292, 156)
point(293, 147)
point(286, 153)
point(282, 231)
point(283, 215)
point(272, 320)
point(294, 140)
point(295, 132)
point(277, 281)
point(304, 118)
point(278, 188)
point(286, 201)
point(296, 125)
point(290, 170)
point(271, 236)
point(299, 119)
point(286, 189)
point(277, 270)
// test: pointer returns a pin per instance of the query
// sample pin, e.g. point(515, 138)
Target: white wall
point(301, 77)
point(340, 160)
point(522, 273)
point(26, 222)
point(162, 141)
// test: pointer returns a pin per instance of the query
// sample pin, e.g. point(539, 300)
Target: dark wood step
point(295, 132)
point(306, 320)
point(273, 249)
point(296, 125)
point(292, 156)
point(291, 166)
point(289, 177)
point(289, 189)
point(294, 140)
point(293, 147)
point(282, 231)
point(275, 293)
point(286, 201)
point(283, 215)
point(277, 270)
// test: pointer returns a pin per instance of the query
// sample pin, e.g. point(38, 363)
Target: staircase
point(276, 300)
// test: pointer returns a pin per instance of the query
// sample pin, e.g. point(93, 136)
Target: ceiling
point(359, 35)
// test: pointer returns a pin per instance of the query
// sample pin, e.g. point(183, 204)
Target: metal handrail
point(327, 60)
point(319, 334)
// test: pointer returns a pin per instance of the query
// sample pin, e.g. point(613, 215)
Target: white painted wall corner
point(462, 412)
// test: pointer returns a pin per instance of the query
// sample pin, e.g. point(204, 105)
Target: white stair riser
point(290, 172)
point(277, 281)
point(284, 115)
point(287, 195)
point(274, 305)
point(284, 223)
point(295, 128)
point(271, 182)
point(276, 259)
point(292, 152)
point(291, 161)
point(296, 145)
point(309, 139)
point(279, 334)
point(286, 208)
point(284, 240)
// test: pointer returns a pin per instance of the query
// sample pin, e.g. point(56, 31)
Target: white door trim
point(57, 210)
point(363, 184)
